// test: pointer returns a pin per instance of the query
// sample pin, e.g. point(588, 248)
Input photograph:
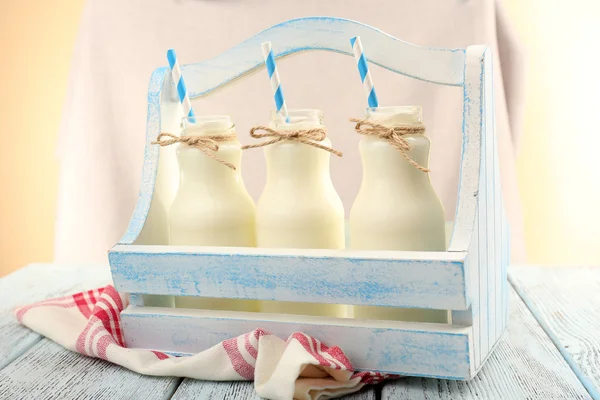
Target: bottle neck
point(211, 125)
point(395, 116)
point(293, 163)
point(197, 168)
point(382, 161)
point(297, 163)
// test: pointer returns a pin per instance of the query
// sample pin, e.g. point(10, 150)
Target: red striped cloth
point(300, 367)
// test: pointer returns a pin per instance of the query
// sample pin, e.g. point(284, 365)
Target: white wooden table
point(551, 350)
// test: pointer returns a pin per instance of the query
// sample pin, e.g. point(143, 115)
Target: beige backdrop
point(559, 162)
point(36, 42)
point(559, 176)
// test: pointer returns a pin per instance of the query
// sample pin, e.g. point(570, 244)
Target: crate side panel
point(489, 147)
point(425, 283)
point(470, 164)
point(151, 157)
point(490, 308)
point(499, 282)
point(483, 262)
point(473, 262)
point(406, 351)
point(505, 264)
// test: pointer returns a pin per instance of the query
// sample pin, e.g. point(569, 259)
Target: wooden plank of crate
point(566, 303)
point(385, 278)
point(484, 262)
point(306, 34)
point(525, 365)
point(326, 33)
point(191, 389)
point(48, 371)
point(439, 350)
point(490, 264)
point(505, 265)
point(33, 283)
point(500, 280)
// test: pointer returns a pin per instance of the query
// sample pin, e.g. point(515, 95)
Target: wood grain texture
point(331, 34)
point(34, 283)
point(472, 137)
point(192, 389)
point(525, 365)
point(385, 278)
point(48, 371)
point(416, 349)
point(480, 215)
point(566, 302)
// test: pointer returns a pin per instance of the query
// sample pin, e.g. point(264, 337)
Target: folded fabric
point(300, 367)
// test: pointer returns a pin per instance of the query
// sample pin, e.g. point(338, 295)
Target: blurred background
point(557, 162)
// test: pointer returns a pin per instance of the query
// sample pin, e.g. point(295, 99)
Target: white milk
point(396, 207)
point(299, 207)
point(212, 206)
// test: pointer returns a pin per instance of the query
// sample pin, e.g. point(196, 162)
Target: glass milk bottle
point(212, 206)
point(299, 207)
point(396, 207)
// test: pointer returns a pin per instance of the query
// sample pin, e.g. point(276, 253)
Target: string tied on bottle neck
point(310, 137)
point(209, 145)
point(394, 135)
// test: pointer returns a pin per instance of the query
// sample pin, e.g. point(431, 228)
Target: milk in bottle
point(299, 207)
point(396, 207)
point(212, 206)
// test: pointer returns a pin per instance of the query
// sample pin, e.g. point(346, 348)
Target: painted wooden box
point(468, 280)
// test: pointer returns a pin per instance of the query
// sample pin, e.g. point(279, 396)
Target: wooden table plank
point(48, 371)
point(37, 368)
point(34, 283)
point(525, 365)
point(566, 303)
point(191, 389)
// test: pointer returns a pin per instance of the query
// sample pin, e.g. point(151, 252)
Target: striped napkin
point(300, 367)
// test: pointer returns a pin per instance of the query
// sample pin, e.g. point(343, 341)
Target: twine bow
point(209, 145)
point(306, 136)
point(394, 135)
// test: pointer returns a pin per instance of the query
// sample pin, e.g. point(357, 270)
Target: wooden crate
point(469, 279)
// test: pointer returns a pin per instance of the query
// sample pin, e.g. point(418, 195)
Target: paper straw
point(184, 98)
point(275, 82)
point(363, 69)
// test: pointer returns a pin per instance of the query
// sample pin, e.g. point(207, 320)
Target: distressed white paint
point(489, 273)
point(480, 229)
point(566, 302)
point(332, 34)
point(191, 389)
point(322, 276)
point(49, 371)
point(525, 365)
point(38, 282)
point(391, 346)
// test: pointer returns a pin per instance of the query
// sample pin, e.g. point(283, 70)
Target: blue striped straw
point(363, 69)
point(184, 98)
point(275, 82)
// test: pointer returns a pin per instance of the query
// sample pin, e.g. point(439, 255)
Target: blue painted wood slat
point(320, 276)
